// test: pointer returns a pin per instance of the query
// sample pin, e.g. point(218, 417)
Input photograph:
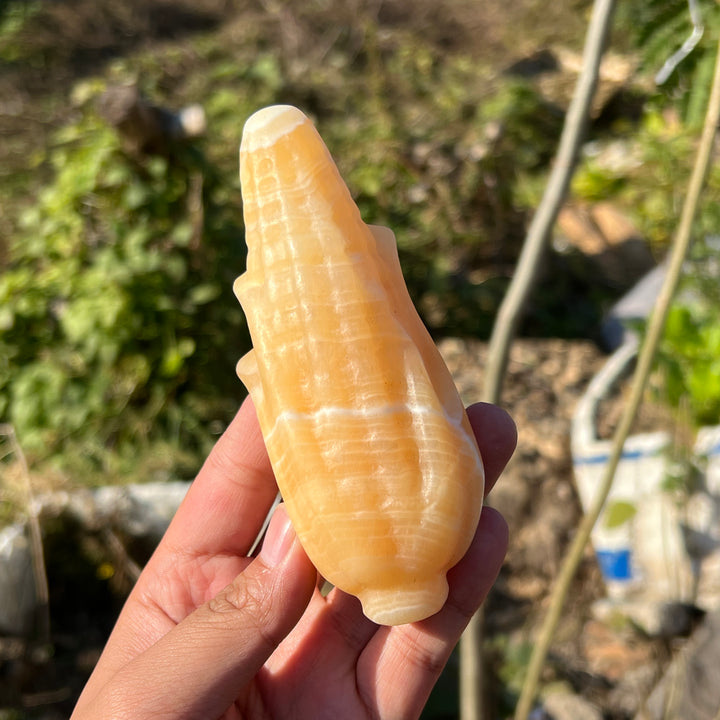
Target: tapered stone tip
point(264, 127)
point(405, 604)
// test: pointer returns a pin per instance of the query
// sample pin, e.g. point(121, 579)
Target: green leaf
point(182, 234)
point(618, 513)
point(136, 195)
point(175, 356)
point(7, 318)
point(204, 293)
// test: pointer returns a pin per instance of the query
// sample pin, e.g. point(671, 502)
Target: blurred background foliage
point(688, 363)
point(118, 328)
point(658, 28)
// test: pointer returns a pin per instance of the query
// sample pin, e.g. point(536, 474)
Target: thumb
point(203, 664)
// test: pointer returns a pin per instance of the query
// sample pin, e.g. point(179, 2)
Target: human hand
point(210, 633)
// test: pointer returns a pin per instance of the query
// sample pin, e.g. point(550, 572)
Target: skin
point(210, 633)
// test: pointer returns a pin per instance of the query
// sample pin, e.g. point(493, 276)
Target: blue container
point(615, 564)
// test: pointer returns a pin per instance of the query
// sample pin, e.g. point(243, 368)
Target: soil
point(545, 379)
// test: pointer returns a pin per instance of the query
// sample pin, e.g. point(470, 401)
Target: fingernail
point(278, 539)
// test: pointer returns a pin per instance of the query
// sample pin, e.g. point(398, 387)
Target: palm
point(326, 665)
point(183, 646)
point(316, 672)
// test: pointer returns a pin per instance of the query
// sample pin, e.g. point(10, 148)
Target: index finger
point(231, 495)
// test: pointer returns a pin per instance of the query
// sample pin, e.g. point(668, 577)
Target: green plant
point(119, 330)
point(645, 183)
point(618, 512)
point(430, 144)
point(118, 324)
point(657, 28)
point(510, 657)
point(13, 18)
point(688, 362)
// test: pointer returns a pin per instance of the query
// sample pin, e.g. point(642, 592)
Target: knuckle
point(430, 660)
point(246, 603)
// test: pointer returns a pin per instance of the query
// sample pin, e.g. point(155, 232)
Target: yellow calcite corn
point(368, 439)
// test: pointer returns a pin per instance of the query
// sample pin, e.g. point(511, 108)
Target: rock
point(611, 653)
point(635, 305)
point(626, 697)
point(567, 706)
point(17, 585)
point(653, 619)
point(613, 248)
point(146, 128)
point(690, 689)
point(539, 62)
point(138, 512)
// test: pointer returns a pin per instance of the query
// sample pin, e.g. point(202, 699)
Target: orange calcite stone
point(369, 441)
